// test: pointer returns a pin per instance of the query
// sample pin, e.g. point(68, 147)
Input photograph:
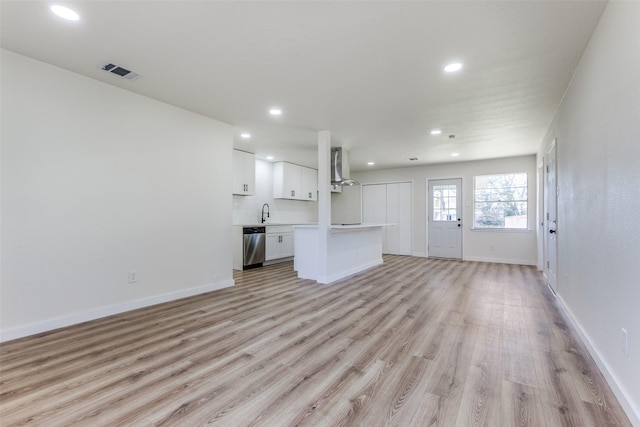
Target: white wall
point(517, 247)
point(247, 209)
point(345, 206)
point(98, 181)
point(598, 131)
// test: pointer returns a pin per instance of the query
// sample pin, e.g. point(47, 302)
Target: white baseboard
point(631, 409)
point(60, 322)
point(419, 254)
point(502, 260)
point(327, 280)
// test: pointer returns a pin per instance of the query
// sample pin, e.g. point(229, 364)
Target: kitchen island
point(350, 249)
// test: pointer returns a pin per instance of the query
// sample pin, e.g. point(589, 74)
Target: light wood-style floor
point(414, 342)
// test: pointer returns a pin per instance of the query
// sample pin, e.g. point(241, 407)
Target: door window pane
point(444, 203)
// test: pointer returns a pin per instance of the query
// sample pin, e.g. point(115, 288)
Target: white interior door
point(551, 217)
point(445, 218)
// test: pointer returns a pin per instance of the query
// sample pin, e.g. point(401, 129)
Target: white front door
point(445, 218)
point(550, 218)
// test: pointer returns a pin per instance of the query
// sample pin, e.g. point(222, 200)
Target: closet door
point(393, 212)
point(374, 207)
point(405, 218)
point(390, 204)
point(399, 210)
point(374, 203)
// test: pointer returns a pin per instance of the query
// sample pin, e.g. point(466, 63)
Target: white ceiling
point(370, 72)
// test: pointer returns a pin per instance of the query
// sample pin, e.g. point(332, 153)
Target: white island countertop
point(277, 224)
point(338, 227)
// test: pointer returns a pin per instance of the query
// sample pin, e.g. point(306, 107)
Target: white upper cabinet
point(294, 182)
point(286, 181)
point(309, 178)
point(244, 173)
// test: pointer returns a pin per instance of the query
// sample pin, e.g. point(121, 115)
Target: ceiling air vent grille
point(112, 68)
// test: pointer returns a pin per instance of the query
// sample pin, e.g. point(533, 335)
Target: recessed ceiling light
point(269, 157)
point(65, 13)
point(245, 135)
point(371, 163)
point(455, 154)
point(275, 111)
point(453, 67)
point(436, 132)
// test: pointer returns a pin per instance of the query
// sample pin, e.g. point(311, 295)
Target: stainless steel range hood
point(340, 167)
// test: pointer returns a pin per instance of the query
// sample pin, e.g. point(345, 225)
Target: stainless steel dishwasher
point(254, 239)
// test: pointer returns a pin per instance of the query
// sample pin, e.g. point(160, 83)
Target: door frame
point(550, 200)
point(428, 212)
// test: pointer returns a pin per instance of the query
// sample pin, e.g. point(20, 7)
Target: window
point(444, 202)
point(500, 201)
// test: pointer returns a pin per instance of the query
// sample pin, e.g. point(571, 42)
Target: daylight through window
point(500, 201)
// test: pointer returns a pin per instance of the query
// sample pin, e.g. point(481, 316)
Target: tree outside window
point(500, 201)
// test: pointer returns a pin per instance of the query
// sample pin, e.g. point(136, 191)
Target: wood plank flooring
point(413, 342)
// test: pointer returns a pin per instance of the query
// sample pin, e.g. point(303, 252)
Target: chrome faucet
point(263, 206)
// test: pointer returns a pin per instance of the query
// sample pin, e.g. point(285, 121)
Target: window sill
point(503, 230)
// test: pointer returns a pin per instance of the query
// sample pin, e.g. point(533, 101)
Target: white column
point(324, 199)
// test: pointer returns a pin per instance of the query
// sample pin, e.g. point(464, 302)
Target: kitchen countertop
point(344, 226)
point(275, 224)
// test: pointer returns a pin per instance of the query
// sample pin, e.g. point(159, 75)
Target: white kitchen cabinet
point(279, 242)
point(294, 182)
point(309, 177)
point(336, 188)
point(244, 173)
point(286, 181)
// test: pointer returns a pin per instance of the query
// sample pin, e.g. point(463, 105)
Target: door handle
point(459, 225)
point(552, 231)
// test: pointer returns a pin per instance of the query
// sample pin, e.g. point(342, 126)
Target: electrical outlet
point(624, 341)
point(491, 248)
point(133, 277)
